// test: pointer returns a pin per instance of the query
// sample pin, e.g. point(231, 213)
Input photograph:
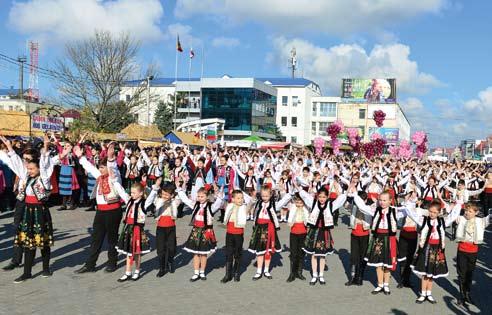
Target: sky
point(439, 51)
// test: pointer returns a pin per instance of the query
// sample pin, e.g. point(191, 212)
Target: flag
point(178, 45)
point(192, 53)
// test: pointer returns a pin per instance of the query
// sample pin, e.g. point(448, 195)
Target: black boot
point(299, 269)
point(237, 269)
point(292, 275)
point(171, 265)
point(353, 275)
point(360, 274)
point(228, 274)
point(162, 267)
point(461, 298)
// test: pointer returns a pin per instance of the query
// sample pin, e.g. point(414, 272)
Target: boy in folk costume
point(108, 192)
point(199, 173)
point(319, 241)
point(154, 171)
point(133, 242)
point(469, 235)
point(201, 241)
point(430, 259)
point(360, 225)
point(35, 229)
point(166, 213)
point(297, 220)
point(264, 240)
point(225, 180)
point(382, 249)
point(249, 184)
point(285, 187)
point(179, 175)
point(235, 221)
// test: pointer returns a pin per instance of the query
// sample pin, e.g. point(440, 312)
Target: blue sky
point(439, 50)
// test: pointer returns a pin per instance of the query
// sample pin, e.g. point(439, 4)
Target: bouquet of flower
point(379, 117)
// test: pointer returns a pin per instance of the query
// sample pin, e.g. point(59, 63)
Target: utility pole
point(293, 62)
point(21, 60)
point(149, 78)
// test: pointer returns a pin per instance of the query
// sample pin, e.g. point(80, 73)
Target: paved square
point(100, 293)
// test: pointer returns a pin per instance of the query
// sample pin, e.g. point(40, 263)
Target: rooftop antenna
point(293, 62)
point(33, 71)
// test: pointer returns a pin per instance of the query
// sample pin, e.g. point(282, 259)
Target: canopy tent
point(274, 146)
point(137, 132)
point(188, 138)
point(253, 139)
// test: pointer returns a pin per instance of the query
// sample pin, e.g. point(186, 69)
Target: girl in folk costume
point(235, 221)
point(249, 184)
point(179, 175)
point(133, 241)
point(35, 229)
point(201, 241)
point(264, 240)
point(92, 154)
point(430, 189)
point(487, 188)
point(374, 189)
point(470, 234)
point(68, 179)
point(392, 185)
point(166, 213)
point(284, 187)
point(430, 259)
point(154, 171)
point(334, 190)
point(268, 180)
point(225, 179)
point(108, 192)
point(360, 225)
point(199, 173)
point(297, 220)
point(382, 248)
point(133, 174)
point(319, 241)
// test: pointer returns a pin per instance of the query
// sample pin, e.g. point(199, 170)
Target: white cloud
point(412, 105)
point(482, 104)
point(227, 42)
point(326, 16)
point(75, 19)
point(327, 66)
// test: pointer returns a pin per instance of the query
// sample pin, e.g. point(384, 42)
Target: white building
point(324, 111)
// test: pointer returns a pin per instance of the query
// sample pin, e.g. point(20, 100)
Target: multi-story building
point(323, 112)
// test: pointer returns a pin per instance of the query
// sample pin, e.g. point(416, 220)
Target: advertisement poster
point(381, 91)
point(391, 135)
point(46, 123)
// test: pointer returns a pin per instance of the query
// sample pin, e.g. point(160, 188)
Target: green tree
point(163, 117)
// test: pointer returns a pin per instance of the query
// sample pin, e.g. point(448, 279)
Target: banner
point(212, 133)
point(391, 135)
point(46, 123)
point(369, 90)
point(343, 136)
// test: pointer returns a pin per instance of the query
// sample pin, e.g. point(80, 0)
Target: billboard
point(369, 90)
point(391, 135)
point(47, 123)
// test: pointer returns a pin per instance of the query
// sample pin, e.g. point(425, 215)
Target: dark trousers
point(296, 243)
point(358, 248)
point(234, 246)
point(18, 214)
point(106, 223)
point(465, 265)
point(406, 248)
point(487, 198)
point(30, 254)
point(165, 244)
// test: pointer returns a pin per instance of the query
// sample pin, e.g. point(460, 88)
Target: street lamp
point(149, 78)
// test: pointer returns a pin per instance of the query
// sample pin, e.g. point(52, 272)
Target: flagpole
point(203, 59)
point(176, 85)
point(189, 82)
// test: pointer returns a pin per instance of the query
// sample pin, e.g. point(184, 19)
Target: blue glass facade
point(243, 109)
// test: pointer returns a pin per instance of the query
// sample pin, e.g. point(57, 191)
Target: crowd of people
point(398, 210)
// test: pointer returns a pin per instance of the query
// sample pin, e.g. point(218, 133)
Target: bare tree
point(92, 71)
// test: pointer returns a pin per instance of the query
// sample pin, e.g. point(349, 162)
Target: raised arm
point(476, 192)
point(282, 202)
point(337, 203)
point(455, 213)
point(306, 197)
point(184, 199)
point(362, 206)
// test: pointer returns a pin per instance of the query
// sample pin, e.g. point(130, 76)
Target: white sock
point(315, 275)
point(429, 293)
point(197, 272)
point(258, 270)
point(321, 274)
point(385, 284)
point(128, 273)
point(423, 293)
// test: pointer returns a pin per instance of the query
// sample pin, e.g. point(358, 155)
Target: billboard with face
point(369, 90)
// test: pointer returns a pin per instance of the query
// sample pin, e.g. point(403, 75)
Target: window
point(328, 109)
point(284, 121)
point(322, 128)
point(285, 100)
point(362, 113)
point(295, 100)
point(293, 140)
point(315, 105)
point(128, 97)
point(313, 128)
point(294, 121)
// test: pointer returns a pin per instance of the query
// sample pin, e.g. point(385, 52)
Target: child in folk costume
point(469, 234)
point(264, 240)
point(225, 180)
point(133, 242)
point(199, 173)
point(166, 213)
point(36, 228)
point(201, 241)
point(68, 179)
point(430, 259)
point(235, 221)
point(154, 171)
point(108, 192)
point(382, 248)
point(360, 225)
point(249, 184)
point(319, 240)
point(284, 187)
point(297, 220)
point(133, 174)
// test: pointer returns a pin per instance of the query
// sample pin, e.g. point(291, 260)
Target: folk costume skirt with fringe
point(201, 241)
point(68, 180)
point(430, 261)
point(133, 240)
point(319, 241)
point(382, 251)
point(36, 227)
point(264, 240)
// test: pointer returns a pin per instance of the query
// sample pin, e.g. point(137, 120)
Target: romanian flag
point(192, 53)
point(178, 45)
